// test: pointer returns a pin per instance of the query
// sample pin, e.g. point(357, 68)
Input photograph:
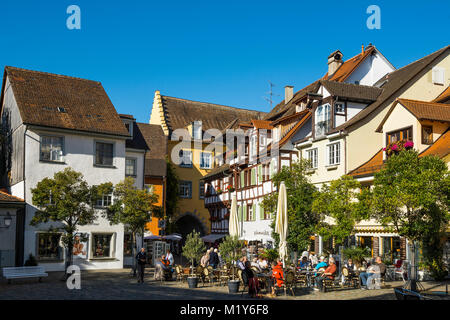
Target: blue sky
point(222, 52)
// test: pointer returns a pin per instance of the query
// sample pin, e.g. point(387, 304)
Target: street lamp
point(7, 220)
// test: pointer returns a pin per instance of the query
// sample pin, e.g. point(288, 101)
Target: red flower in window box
point(230, 188)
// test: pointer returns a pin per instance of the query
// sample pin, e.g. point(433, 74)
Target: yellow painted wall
point(195, 205)
point(364, 142)
point(158, 188)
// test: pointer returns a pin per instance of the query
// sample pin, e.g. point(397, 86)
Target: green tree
point(302, 221)
point(67, 199)
point(133, 208)
point(193, 248)
point(230, 249)
point(411, 196)
point(172, 195)
point(340, 200)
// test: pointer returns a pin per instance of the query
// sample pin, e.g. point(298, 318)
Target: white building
point(54, 122)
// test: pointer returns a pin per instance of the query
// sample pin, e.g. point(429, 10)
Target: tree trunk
point(134, 250)
point(69, 257)
point(413, 267)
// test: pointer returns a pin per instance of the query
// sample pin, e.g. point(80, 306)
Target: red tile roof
point(57, 101)
point(6, 197)
point(440, 148)
point(444, 97)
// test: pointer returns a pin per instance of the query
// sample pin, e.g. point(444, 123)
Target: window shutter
point(253, 176)
point(271, 169)
point(240, 213)
point(242, 179)
point(254, 212)
point(261, 212)
point(244, 212)
point(260, 174)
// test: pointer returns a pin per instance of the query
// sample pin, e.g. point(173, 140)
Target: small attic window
point(47, 108)
point(62, 109)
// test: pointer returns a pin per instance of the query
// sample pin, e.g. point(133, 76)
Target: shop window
point(48, 246)
point(101, 245)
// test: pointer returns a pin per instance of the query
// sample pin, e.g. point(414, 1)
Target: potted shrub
point(229, 250)
point(193, 250)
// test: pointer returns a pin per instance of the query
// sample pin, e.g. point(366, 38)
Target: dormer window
point(129, 126)
point(339, 108)
point(197, 130)
point(323, 120)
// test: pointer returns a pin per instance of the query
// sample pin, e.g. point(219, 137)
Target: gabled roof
point(179, 113)
point(440, 148)
point(346, 69)
point(156, 141)
point(217, 171)
point(63, 102)
point(283, 109)
point(341, 74)
point(352, 91)
point(393, 82)
point(262, 124)
point(7, 198)
point(444, 97)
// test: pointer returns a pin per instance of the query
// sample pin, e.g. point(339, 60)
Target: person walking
point(141, 258)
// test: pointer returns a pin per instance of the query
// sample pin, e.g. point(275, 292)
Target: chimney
point(288, 94)
point(362, 49)
point(334, 62)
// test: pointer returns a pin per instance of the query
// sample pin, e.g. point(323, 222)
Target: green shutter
point(254, 212)
point(260, 175)
point(271, 169)
point(261, 212)
point(242, 179)
point(244, 212)
point(253, 176)
point(240, 213)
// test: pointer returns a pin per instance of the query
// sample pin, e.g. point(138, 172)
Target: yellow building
point(194, 159)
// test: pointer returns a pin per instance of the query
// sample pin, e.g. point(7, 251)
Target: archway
point(186, 224)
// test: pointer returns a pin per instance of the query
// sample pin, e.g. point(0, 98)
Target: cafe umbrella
point(281, 222)
point(234, 223)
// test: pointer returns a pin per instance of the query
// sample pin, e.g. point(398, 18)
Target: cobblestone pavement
point(118, 284)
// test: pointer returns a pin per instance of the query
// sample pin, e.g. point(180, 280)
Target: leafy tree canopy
point(302, 221)
point(339, 201)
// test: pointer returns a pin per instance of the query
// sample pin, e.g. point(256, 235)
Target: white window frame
point(149, 187)
point(438, 75)
point(202, 164)
point(187, 185)
point(310, 153)
point(55, 153)
point(101, 202)
point(134, 174)
point(184, 157)
point(111, 245)
point(333, 154)
point(197, 130)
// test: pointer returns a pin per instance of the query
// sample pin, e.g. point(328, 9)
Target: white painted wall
point(79, 154)
point(139, 156)
point(371, 70)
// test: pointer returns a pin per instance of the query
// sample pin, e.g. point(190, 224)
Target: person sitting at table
point(303, 263)
point(204, 261)
point(378, 269)
point(241, 263)
point(277, 275)
point(263, 265)
point(351, 268)
point(328, 274)
point(249, 278)
point(321, 264)
point(313, 260)
point(214, 259)
point(255, 264)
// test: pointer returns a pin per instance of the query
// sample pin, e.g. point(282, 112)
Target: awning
point(172, 237)
point(213, 237)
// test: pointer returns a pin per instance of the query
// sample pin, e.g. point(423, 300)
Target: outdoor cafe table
point(309, 275)
point(264, 277)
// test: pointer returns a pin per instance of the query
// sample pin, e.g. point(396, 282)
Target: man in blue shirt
point(321, 264)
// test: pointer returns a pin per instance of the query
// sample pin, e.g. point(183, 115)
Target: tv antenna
point(271, 94)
